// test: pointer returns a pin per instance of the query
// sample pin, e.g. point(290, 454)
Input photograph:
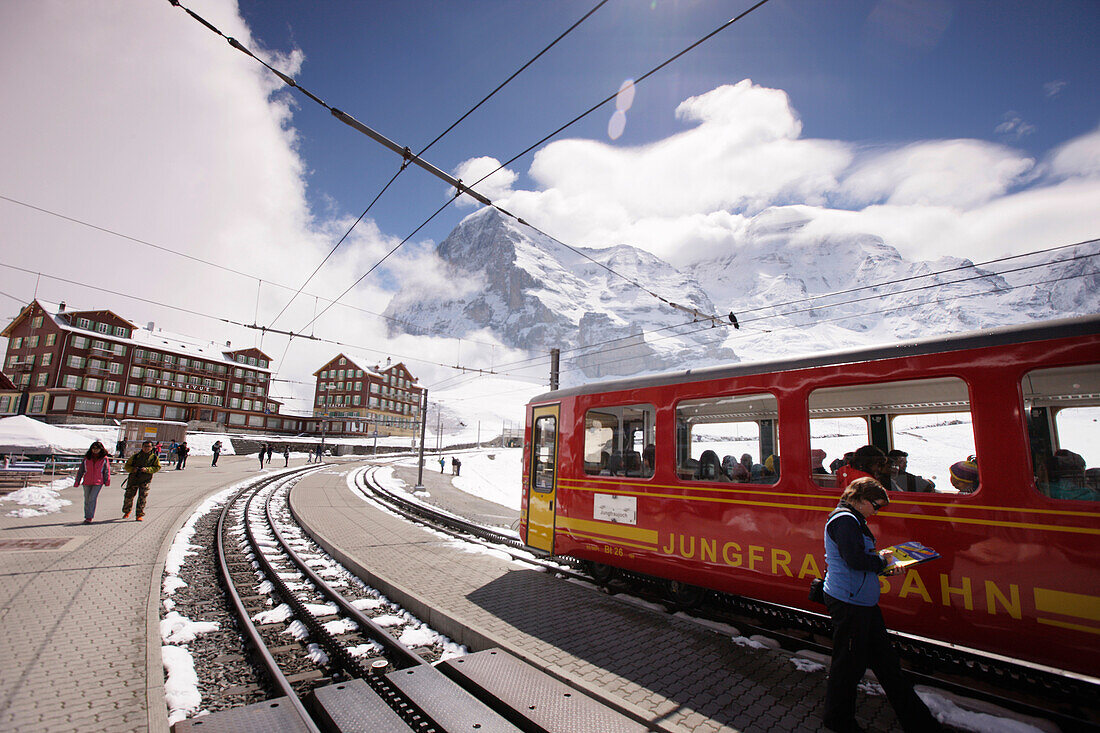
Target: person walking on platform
point(270, 451)
point(217, 450)
point(442, 463)
point(263, 454)
point(120, 448)
point(181, 456)
point(860, 639)
point(94, 472)
point(286, 456)
point(141, 466)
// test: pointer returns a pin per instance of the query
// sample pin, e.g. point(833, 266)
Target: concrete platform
point(79, 604)
point(670, 673)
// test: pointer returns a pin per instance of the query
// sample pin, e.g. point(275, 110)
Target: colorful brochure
point(909, 553)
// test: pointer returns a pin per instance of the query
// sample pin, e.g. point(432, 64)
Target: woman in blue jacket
point(859, 632)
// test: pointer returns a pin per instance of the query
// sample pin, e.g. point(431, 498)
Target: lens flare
point(616, 125)
point(625, 98)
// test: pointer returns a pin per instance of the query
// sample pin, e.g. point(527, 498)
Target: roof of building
point(151, 337)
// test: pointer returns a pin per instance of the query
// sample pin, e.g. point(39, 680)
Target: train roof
point(1039, 331)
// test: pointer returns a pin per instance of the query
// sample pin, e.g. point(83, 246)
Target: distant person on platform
point(270, 452)
point(217, 450)
point(141, 466)
point(902, 480)
point(320, 453)
point(442, 463)
point(171, 451)
point(120, 448)
point(93, 473)
point(286, 456)
point(181, 456)
point(263, 454)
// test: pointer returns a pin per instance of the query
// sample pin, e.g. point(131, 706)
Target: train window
point(1063, 411)
point(620, 441)
point(728, 438)
point(923, 424)
point(544, 454)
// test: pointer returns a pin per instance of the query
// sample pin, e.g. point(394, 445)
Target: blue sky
point(865, 72)
point(946, 128)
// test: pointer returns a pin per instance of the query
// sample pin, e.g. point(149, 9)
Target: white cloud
point(140, 120)
point(689, 196)
point(497, 186)
point(1054, 88)
point(957, 173)
point(743, 153)
point(1013, 126)
point(1078, 157)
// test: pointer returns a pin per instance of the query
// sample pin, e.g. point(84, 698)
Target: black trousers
point(860, 641)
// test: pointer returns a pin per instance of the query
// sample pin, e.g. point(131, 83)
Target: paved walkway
point(671, 673)
point(79, 624)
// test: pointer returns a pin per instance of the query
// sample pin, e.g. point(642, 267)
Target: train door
point(544, 476)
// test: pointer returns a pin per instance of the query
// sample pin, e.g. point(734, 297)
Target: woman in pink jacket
point(94, 473)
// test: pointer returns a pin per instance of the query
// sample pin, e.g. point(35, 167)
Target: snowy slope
point(794, 288)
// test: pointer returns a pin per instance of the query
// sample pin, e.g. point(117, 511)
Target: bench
point(16, 474)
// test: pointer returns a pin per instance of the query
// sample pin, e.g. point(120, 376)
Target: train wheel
point(683, 596)
point(601, 573)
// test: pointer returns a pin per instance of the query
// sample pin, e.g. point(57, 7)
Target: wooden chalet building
point(354, 398)
point(95, 366)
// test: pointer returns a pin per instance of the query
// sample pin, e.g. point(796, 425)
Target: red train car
point(639, 474)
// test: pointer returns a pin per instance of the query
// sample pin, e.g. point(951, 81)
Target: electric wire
point(542, 360)
point(589, 349)
point(440, 136)
point(459, 187)
point(358, 347)
point(411, 328)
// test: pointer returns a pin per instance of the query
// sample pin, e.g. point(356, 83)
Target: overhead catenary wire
point(210, 263)
point(541, 360)
point(459, 187)
point(440, 136)
point(230, 321)
point(589, 349)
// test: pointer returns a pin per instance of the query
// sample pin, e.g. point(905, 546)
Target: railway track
point(1066, 700)
point(348, 668)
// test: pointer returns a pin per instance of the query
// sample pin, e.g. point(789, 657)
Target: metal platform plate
point(269, 716)
point(532, 699)
point(353, 707)
point(446, 704)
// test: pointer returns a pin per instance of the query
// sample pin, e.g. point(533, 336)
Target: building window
point(136, 372)
point(111, 387)
point(33, 341)
point(164, 393)
point(119, 349)
point(71, 381)
point(60, 403)
point(80, 342)
point(234, 403)
point(251, 361)
point(36, 322)
point(38, 403)
point(236, 419)
point(173, 413)
point(41, 380)
point(91, 384)
point(76, 362)
point(120, 331)
point(177, 395)
point(83, 323)
point(147, 392)
point(147, 410)
point(51, 339)
point(17, 343)
point(102, 328)
point(114, 367)
point(192, 398)
point(133, 390)
point(47, 359)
